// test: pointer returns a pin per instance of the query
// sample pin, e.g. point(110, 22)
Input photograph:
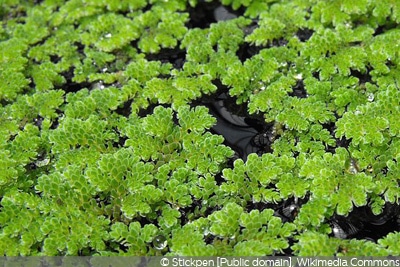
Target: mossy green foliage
point(78, 176)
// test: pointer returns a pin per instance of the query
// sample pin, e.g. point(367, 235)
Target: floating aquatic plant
point(110, 143)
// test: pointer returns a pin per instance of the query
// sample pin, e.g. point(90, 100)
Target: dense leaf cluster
point(105, 149)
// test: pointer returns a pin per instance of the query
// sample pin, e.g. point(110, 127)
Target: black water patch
point(146, 8)
point(237, 127)
point(339, 142)
point(219, 179)
point(121, 141)
point(343, 142)
point(143, 112)
point(389, 25)
point(55, 121)
point(38, 122)
point(223, 13)
point(304, 34)
point(343, 228)
point(363, 78)
point(205, 13)
point(176, 57)
point(263, 141)
point(125, 109)
point(247, 51)
point(288, 209)
point(362, 224)
point(237, 133)
point(4, 102)
point(315, 74)
point(278, 42)
point(260, 206)
point(390, 64)
point(299, 90)
point(230, 164)
point(201, 16)
point(379, 30)
point(55, 59)
point(243, 132)
point(72, 87)
point(80, 48)
point(16, 12)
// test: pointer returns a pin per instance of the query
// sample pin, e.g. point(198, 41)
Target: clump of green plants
point(107, 144)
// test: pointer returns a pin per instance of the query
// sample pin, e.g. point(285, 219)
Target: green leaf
point(195, 246)
point(177, 193)
point(169, 217)
point(362, 126)
point(312, 243)
point(391, 243)
point(11, 71)
point(225, 223)
point(166, 29)
point(46, 76)
point(228, 35)
point(108, 31)
point(312, 213)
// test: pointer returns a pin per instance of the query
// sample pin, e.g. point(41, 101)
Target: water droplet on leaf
point(205, 230)
point(98, 85)
point(353, 166)
point(44, 162)
point(160, 242)
point(299, 76)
